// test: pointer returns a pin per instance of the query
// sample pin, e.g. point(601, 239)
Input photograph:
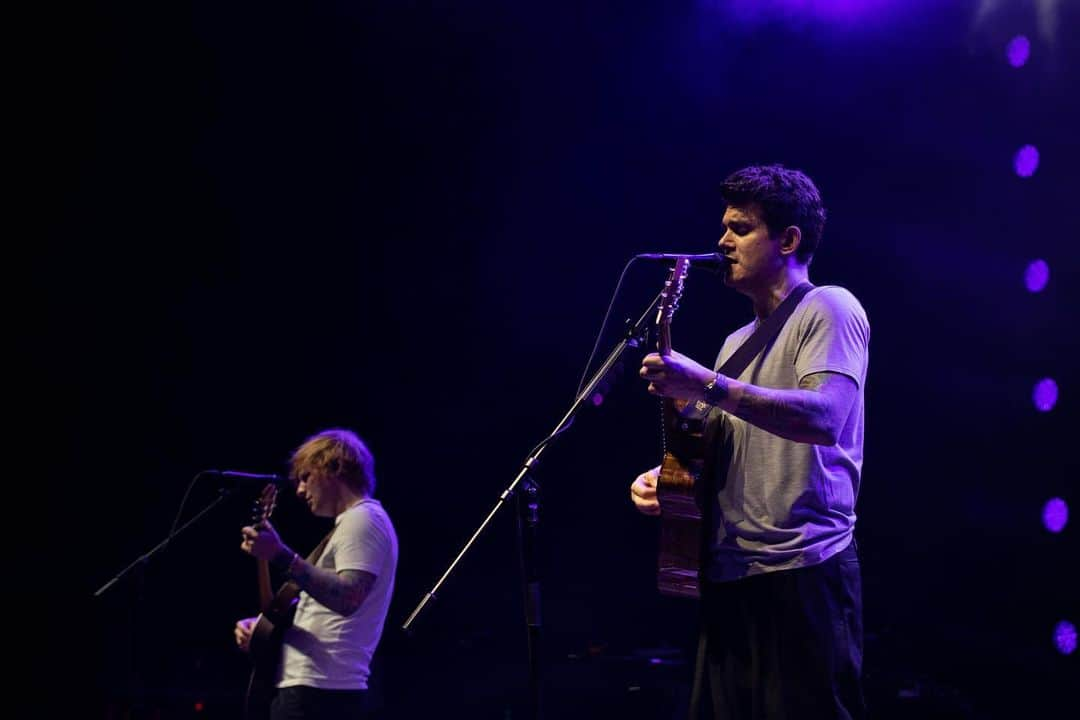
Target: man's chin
point(736, 283)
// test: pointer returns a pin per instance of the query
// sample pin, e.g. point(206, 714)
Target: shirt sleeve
point(834, 336)
point(364, 543)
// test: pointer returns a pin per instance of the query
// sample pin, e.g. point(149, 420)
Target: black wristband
point(283, 560)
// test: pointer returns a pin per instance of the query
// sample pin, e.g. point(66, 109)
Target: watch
point(717, 390)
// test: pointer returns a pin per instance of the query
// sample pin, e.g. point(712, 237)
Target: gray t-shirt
point(787, 504)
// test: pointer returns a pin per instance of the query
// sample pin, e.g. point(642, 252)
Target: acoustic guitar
point(681, 469)
point(276, 616)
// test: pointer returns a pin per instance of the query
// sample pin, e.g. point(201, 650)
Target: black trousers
point(785, 645)
point(307, 703)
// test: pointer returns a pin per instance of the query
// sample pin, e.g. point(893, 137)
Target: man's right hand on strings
point(242, 631)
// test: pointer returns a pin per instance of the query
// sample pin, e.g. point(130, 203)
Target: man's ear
point(790, 238)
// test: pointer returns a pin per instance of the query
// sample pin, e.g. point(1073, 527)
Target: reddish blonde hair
point(339, 453)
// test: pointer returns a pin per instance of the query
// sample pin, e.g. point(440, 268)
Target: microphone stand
point(529, 514)
point(140, 562)
point(145, 557)
point(232, 480)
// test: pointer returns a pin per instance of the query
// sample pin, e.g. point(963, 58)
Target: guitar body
point(265, 650)
point(677, 490)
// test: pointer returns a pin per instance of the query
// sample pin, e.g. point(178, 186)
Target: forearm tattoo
point(343, 592)
point(813, 413)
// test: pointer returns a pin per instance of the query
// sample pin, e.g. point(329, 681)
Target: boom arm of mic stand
point(145, 557)
point(635, 336)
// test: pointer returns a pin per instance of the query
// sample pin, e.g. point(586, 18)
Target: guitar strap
point(717, 439)
point(313, 557)
point(733, 367)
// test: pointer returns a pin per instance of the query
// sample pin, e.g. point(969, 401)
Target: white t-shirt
point(324, 649)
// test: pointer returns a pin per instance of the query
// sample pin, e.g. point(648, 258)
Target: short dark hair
point(786, 197)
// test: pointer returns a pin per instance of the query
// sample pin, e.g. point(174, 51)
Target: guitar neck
point(669, 407)
point(264, 508)
point(663, 339)
point(669, 300)
point(266, 592)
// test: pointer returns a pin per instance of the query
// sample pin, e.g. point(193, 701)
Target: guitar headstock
point(264, 506)
point(669, 302)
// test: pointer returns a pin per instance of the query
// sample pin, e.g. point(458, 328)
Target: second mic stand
point(529, 505)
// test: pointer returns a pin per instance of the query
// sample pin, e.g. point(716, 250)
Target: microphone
point(714, 260)
point(234, 478)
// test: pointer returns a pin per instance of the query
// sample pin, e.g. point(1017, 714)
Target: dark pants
point(786, 645)
point(307, 703)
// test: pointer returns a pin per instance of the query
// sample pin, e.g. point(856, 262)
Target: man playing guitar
point(340, 594)
point(780, 590)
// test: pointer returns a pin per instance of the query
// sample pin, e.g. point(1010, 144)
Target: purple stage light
point(1065, 637)
point(1026, 161)
point(842, 10)
point(1036, 276)
point(1045, 395)
point(1055, 515)
point(1018, 50)
point(838, 8)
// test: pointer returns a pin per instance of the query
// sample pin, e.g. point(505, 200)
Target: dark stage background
point(265, 219)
